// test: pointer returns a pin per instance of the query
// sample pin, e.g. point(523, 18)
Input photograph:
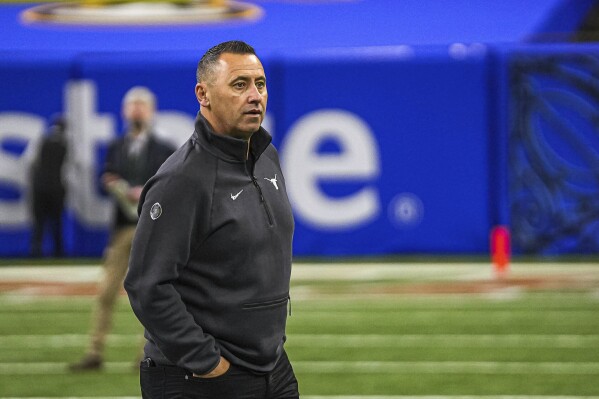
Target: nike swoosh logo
point(234, 197)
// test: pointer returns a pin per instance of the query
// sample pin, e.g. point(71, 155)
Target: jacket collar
point(230, 148)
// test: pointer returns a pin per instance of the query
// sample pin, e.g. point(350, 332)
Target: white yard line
point(451, 397)
point(331, 271)
point(446, 340)
point(18, 342)
point(50, 274)
point(355, 367)
point(353, 397)
point(449, 367)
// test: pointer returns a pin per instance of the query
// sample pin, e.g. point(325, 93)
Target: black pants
point(47, 212)
point(167, 382)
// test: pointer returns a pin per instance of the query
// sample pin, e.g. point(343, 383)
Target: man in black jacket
point(48, 188)
point(211, 259)
point(130, 161)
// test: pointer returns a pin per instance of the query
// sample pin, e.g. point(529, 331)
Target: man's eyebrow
point(244, 77)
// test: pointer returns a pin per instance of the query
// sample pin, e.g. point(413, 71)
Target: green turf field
point(356, 331)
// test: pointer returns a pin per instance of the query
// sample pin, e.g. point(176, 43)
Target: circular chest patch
point(155, 211)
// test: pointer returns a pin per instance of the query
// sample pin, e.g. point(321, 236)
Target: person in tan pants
point(130, 161)
point(115, 268)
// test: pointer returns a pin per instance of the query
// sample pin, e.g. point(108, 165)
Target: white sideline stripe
point(358, 367)
point(449, 367)
point(426, 315)
point(62, 340)
point(446, 340)
point(333, 271)
point(451, 397)
point(351, 397)
point(17, 342)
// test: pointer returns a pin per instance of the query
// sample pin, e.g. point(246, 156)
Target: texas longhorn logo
point(273, 181)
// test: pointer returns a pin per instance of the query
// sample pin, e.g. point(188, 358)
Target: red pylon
point(500, 249)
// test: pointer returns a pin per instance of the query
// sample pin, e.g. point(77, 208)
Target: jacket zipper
point(250, 169)
point(263, 201)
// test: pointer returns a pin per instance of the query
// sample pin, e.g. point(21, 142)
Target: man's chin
point(138, 125)
point(250, 128)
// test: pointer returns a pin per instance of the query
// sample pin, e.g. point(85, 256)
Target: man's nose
point(255, 96)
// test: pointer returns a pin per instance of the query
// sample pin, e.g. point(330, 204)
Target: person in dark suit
point(130, 161)
point(48, 189)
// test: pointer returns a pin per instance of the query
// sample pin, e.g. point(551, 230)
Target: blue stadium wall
point(390, 149)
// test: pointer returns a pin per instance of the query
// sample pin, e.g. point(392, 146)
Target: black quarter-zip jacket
point(210, 265)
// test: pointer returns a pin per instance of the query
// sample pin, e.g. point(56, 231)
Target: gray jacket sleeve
point(161, 248)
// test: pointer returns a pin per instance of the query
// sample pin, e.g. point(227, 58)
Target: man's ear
point(201, 94)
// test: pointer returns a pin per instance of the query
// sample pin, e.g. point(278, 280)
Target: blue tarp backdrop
point(390, 134)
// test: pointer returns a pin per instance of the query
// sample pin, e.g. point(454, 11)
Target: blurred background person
point(48, 188)
point(130, 161)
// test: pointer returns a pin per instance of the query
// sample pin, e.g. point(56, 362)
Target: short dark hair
point(210, 58)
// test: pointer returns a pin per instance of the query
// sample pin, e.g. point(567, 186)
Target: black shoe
point(87, 363)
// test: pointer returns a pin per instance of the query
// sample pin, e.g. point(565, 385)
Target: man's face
point(234, 96)
point(138, 113)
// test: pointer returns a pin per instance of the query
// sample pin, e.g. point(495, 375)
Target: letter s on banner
point(14, 168)
point(305, 167)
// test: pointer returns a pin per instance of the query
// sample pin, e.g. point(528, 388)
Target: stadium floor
point(359, 330)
